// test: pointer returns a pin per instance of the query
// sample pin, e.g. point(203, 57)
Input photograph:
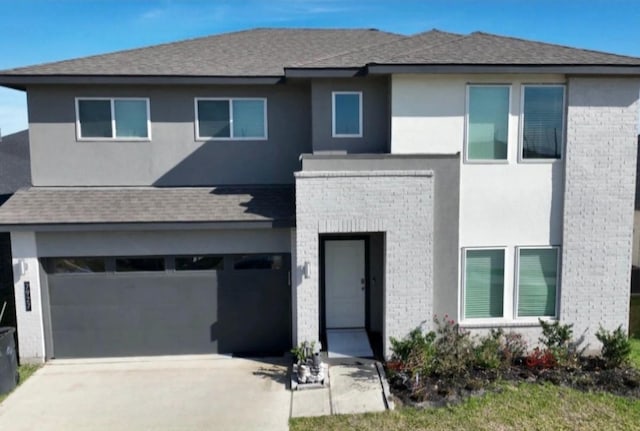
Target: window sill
point(205, 139)
point(505, 324)
point(113, 140)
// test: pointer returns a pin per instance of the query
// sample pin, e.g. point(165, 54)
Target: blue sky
point(38, 31)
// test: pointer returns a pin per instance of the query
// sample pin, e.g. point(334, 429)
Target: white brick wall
point(399, 203)
point(30, 323)
point(598, 203)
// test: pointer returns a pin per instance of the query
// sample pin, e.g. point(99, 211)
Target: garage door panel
point(111, 314)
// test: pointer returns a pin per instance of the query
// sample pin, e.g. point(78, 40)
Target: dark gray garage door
point(112, 306)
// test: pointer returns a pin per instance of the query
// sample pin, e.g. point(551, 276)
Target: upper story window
point(112, 118)
point(487, 122)
point(542, 121)
point(236, 118)
point(347, 114)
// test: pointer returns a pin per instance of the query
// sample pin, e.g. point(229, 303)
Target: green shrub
point(514, 346)
point(616, 346)
point(414, 352)
point(558, 340)
point(454, 353)
point(488, 351)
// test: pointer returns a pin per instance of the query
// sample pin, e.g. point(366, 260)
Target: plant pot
point(304, 373)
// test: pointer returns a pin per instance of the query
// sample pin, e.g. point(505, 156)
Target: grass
point(24, 371)
point(525, 407)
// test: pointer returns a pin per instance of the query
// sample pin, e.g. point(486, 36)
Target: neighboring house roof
point(274, 53)
point(95, 205)
point(15, 167)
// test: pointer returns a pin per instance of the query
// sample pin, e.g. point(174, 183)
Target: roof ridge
point(381, 44)
point(557, 45)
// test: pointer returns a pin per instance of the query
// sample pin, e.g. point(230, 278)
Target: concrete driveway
point(202, 393)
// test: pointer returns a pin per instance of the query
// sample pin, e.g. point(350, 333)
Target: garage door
point(136, 306)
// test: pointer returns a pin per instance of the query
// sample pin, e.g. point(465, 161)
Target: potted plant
point(303, 354)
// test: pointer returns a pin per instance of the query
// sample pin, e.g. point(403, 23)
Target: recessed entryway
point(351, 292)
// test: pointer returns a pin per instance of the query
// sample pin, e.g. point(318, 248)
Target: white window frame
point(516, 287)
point(113, 137)
point(333, 115)
point(521, 158)
point(505, 291)
point(466, 124)
point(231, 137)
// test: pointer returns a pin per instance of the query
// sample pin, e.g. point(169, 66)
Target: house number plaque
point(27, 296)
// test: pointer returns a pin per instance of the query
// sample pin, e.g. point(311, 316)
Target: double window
point(541, 122)
point(226, 119)
point(113, 118)
point(535, 290)
point(346, 107)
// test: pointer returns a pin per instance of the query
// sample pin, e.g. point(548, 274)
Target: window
point(199, 263)
point(483, 283)
point(231, 118)
point(487, 122)
point(258, 261)
point(83, 265)
point(537, 284)
point(124, 118)
point(131, 264)
point(347, 114)
point(542, 121)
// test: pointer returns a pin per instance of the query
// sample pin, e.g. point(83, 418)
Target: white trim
point(516, 286)
point(333, 115)
point(465, 147)
point(463, 282)
point(113, 137)
point(521, 158)
point(231, 137)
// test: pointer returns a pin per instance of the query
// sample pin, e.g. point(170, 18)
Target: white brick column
point(600, 170)
point(30, 323)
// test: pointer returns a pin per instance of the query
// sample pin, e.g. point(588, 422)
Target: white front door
point(344, 283)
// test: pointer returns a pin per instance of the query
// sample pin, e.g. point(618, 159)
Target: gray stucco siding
point(375, 115)
point(173, 156)
point(141, 243)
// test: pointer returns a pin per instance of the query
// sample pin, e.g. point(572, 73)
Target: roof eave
point(20, 81)
point(569, 69)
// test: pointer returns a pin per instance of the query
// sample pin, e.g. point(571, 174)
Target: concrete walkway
point(152, 394)
point(354, 387)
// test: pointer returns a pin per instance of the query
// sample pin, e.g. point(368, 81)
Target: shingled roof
point(274, 53)
point(93, 205)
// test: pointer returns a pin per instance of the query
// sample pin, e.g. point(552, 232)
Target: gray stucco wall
point(600, 168)
point(52, 244)
point(398, 203)
point(375, 115)
point(173, 156)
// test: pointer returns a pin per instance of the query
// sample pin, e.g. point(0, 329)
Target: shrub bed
point(447, 365)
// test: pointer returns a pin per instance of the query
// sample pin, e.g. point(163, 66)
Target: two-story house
point(244, 192)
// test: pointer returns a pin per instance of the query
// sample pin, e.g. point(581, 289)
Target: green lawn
point(526, 407)
point(25, 371)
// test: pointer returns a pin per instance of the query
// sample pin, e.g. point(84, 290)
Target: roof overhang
point(386, 69)
point(20, 82)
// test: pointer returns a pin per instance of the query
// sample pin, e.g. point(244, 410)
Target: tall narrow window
point(112, 118)
point(542, 121)
point(347, 114)
point(231, 119)
point(484, 283)
point(537, 282)
point(488, 122)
